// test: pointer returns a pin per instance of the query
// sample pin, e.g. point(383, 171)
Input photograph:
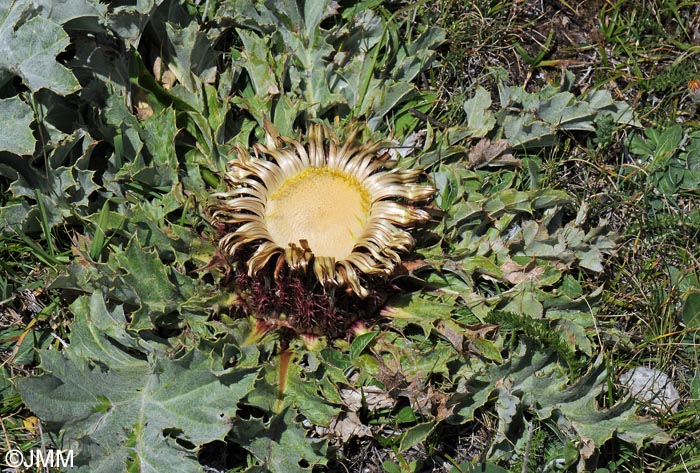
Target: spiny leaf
point(281, 446)
point(534, 119)
point(531, 381)
point(28, 48)
point(158, 135)
point(143, 272)
point(64, 11)
point(65, 187)
point(125, 402)
point(417, 310)
point(360, 343)
point(192, 56)
point(295, 64)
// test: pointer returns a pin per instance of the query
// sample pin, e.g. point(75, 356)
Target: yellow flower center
point(326, 207)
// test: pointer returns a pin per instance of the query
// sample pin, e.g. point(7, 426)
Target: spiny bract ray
point(342, 208)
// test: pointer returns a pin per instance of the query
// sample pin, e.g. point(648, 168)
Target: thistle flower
point(337, 211)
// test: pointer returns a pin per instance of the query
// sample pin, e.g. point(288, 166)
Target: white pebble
point(653, 387)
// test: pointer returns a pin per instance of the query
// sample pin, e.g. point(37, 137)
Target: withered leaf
point(488, 153)
point(375, 398)
point(347, 425)
point(515, 273)
point(142, 108)
point(480, 330)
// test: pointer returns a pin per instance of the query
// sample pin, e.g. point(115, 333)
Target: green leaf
point(547, 198)
point(106, 221)
point(563, 111)
point(414, 309)
point(691, 310)
point(482, 265)
point(281, 445)
point(255, 60)
point(479, 119)
point(129, 21)
point(313, 14)
point(191, 55)
point(65, 189)
point(383, 99)
point(576, 406)
point(83, 11)
point(591, 259)
point(488, 349)
point(122, 402)
point(104, 338)
point(150, 280)
point(640, 146)
point(669, 142)
point(416, 435)
point(158, 136)
point(28, 48)
point(391, 467)
point(570, 287)
point(524, 131)
point(302, 392)
point(17, 136)
point(299, 62)
point(524, 301)
point(531, 382)
point(14, 218)
point(360, 343)
point(695, 385)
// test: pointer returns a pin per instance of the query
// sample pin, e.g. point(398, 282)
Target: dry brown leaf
point(480, 330)
point(430, 403)
point(347, 425)
point(488, 153)
point(375, 398)
point(163, 74)
point(412, 265)
point(273, 89)
point(515, 273)
point(168, 80)
point(586, 450)
point(80, 248)
point(390, 374)
point(141, 106)
point(158, 68)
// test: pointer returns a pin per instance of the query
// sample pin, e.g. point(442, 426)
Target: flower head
point(339, 210)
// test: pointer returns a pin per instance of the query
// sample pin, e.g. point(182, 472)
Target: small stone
point(653, 387)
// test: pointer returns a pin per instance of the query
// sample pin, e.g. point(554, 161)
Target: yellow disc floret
point(326, 207)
